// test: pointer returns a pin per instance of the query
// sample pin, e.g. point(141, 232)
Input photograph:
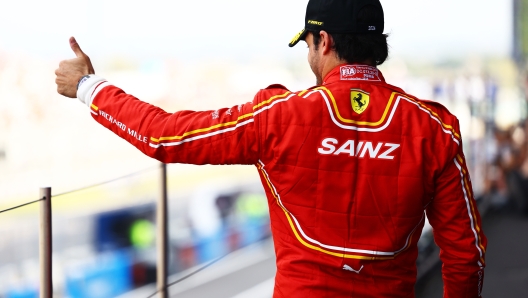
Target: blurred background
point(470, 55)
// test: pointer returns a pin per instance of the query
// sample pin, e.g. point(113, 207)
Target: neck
point(331, 64)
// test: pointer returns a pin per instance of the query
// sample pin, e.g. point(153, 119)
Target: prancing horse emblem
point(360, 100)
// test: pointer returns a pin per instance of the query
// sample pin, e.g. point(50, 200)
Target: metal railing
point(45, 233)
point(162, 241)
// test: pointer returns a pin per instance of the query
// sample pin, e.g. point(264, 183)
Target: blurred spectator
point(508, 180)
point(225, 203)
point(519, 172)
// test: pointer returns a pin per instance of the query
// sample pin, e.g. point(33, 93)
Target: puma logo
point(348, 268)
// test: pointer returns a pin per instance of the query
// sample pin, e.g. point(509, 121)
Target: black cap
point(341, 16)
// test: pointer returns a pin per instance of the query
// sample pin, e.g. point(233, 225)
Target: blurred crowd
point(507, 173)
point(490, 102)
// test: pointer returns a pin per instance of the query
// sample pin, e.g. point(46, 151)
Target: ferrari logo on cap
point(360, 100)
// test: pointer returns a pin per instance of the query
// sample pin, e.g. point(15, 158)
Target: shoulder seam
point(449, 129)
point(270, 102)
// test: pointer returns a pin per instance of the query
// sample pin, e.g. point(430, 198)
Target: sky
point(240, 29)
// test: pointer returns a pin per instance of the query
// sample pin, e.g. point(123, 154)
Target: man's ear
point(326, 42)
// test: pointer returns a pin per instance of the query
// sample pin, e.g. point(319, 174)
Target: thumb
point(76, 48)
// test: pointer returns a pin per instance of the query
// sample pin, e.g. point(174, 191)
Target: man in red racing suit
point(350, 167)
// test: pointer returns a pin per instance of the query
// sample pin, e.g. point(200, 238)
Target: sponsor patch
point(215, 115)
point(359, 73)
point(312, 22)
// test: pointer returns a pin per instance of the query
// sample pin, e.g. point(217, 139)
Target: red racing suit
point(350, 170)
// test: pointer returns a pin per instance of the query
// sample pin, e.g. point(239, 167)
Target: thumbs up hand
point(71, 71)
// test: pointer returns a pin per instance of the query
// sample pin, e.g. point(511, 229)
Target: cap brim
point(300, 36)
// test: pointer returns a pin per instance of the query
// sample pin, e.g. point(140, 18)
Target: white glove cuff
point(86, 88)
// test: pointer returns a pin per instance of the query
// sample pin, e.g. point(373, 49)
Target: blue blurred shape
point(22, 293)
point(211, 247)
point(253, 231)
point(108, 277)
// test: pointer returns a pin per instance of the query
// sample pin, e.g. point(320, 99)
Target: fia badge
point(360, 100)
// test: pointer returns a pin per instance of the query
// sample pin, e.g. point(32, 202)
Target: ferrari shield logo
point(360, 100)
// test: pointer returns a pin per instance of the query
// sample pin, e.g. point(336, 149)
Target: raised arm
point(224, 136)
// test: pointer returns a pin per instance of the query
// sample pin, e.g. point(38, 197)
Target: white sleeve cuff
point(84, 93)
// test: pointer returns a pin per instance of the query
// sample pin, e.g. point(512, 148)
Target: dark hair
point(361, 47)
